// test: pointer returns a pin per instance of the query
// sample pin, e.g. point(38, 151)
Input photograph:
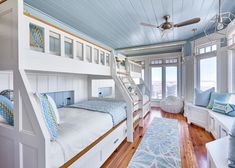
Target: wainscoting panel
point(45, 82)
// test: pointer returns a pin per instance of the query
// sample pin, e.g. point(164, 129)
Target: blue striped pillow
point(224, 108)
point(49, 115)
point(6, 110)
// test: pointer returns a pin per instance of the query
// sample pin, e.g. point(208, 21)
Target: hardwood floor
point(192, 141)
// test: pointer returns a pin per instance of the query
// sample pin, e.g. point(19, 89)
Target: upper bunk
point(126, 66)
point(49, 48)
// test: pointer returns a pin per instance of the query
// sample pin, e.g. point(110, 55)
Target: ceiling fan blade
point(149, 25)
point(188, 22)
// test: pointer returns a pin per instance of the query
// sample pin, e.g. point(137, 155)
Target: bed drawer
point(113, 141)
point(96, 156)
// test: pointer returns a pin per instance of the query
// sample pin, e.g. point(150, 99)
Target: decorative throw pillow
point(231, 149)
point(202, 97)
point(49, 115)
point(223, 97)
point(6, 110)
point(52, 102)
point(224, 108)
point(8, 93)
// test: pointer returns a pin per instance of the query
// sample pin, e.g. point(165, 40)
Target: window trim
point(204, 46)
point(57, 36)
point(198, 59)
point(163, 66)
point(69, 41)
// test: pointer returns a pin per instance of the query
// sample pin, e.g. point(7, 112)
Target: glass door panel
point(171, 81)
point(157, 83)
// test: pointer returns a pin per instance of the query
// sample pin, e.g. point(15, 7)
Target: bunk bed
point(130, 77)
point(135, 71)
point(33, 46)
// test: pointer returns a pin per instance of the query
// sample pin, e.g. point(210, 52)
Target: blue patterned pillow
point(223, 97)
point(224, 108)
point(49, 115)
point(6, 110)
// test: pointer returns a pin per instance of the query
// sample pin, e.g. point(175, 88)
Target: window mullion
point(163, 81)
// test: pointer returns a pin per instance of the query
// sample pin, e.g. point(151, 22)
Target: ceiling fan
point(169, 25)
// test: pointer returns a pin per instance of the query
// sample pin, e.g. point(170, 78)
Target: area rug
point(160, 146)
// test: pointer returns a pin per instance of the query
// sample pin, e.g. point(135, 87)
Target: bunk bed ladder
point(127, 97)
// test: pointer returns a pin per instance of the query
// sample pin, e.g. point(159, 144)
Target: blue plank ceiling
point(116, 22)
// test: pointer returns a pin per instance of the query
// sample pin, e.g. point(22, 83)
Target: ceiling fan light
point(220, 26)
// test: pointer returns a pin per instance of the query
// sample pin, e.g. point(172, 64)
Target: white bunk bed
point(129, 89)
point(131, 71)
point(28, 143)
point(135, 71)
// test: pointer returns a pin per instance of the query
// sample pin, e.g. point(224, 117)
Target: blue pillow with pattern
point(224, 108)
point(223, 97)
point(6, 110)
point(49, 115)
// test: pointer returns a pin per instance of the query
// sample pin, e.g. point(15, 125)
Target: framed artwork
point(36, 37)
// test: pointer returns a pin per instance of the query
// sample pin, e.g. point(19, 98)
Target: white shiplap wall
point(53, 82)
point(50, 82)
point(6, 80)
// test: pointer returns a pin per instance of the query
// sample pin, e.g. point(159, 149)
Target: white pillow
point(52, 102)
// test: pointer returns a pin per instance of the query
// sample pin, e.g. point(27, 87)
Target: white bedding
point(78, 129)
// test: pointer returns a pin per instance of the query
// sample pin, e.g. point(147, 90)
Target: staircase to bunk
point(131, 94)
point(134, 70)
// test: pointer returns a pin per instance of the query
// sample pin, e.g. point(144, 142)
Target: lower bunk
point(88, 133)
point(85, 138)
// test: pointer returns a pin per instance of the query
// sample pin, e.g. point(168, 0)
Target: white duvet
point(78, 129)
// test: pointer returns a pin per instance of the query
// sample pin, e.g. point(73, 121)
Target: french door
point(164, 81)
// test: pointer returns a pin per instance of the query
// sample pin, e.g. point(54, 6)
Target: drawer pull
point(224, 131)
point(116, 141)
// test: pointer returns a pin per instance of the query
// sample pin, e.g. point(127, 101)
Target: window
point(142, 74)
point(36, 37)
point(79, 51)
point(158, 61)
point(171, 81)
point(102, 58)
point(96, 55)
point(171, 61)
point(214, 48)
point(157, 82)
point(207, 74)
point(88, 53)
point(207, 49)
point(54, 43)
point(201, 50)
point(107, 59)
point(165, 78)
point(68, 47)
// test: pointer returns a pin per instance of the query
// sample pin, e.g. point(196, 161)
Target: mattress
point(78, 129)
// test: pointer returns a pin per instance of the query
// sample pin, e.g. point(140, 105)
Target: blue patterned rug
point(160, 146)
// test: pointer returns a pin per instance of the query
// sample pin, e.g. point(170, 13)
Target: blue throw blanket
point(117, 109)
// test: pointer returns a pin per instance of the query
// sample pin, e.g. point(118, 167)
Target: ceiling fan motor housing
point(167, 25)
